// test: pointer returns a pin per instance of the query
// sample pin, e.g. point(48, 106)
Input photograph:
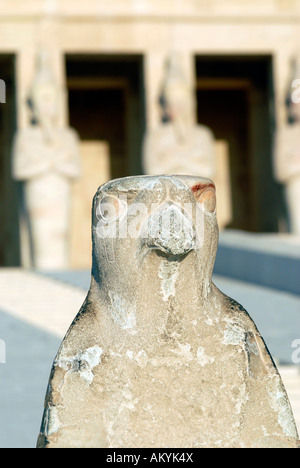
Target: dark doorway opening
point(106, 102)
point(235, 99)
point(9, 208)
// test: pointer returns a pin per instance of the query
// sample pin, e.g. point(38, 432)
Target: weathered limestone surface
point(158, 356)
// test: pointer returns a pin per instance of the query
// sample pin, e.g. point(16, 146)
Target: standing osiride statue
point(287, 157)
point(46, 160)
point(178, 145)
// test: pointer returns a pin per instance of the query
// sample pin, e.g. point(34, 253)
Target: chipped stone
point(83, 363)
point(202, 357)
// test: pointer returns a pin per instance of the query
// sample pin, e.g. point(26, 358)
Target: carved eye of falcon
point(111, 208)
point(206, 195)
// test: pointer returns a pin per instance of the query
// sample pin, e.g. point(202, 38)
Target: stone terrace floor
point(37, 309)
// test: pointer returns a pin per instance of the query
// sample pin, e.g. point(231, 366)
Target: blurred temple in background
point(108, 60)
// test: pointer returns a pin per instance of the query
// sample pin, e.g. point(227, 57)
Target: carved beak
point(170, 231)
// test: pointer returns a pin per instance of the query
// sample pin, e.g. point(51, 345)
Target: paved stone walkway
point(36, 311)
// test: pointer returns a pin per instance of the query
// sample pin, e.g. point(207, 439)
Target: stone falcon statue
point(158, 356)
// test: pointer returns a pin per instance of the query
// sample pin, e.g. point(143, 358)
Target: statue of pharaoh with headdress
point(178, 145)
point(46, 160)
point(287, 155)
